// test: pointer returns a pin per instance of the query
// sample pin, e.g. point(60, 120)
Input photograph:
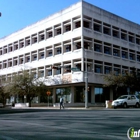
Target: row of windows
point(68, 46)
point(42, 35)
point(66, 26)
point(92, 66)
point(118, 51)
point(111, 30)
point(42, 53)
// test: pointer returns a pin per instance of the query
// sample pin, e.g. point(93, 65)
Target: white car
point(125, 101)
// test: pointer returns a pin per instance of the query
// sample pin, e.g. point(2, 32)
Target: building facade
point(61, 47)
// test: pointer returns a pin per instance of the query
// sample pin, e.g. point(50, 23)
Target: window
point(107, 50)
point(49, 72)
point(34, 57)
point(131, 56)
point(138, 58)
point(35, 39)
point(68, 28)
point(49, 34)
point(124, 54)
point(10, 64)
point(115, 52)
point(68, 48)
point(97, 25)
point(77, 24)
point(50, 53)
point(28, 59)
point(58, 31)
point(78, 66)
point(86, 24)
point(42, 37)
point(115, 34)
point(41, 73)
point(42, 56)
point(117, 71)
point(78, 45)
point(28, 42)
point(58, 71)
point(97, 48)
point(98, 69)
point(107, 70)
point(58, 50)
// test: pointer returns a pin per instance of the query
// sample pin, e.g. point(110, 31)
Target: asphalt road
point(67, 124)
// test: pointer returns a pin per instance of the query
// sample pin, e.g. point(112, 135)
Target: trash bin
point(108, 104)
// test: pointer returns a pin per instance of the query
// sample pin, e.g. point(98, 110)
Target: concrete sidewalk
point(57, 108)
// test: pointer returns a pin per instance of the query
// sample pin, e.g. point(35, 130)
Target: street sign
point(75, 69)
point(48, 93)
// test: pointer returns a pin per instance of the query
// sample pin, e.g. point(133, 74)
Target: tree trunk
point(29, 103)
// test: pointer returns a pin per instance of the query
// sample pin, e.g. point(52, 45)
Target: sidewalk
point(67, 108)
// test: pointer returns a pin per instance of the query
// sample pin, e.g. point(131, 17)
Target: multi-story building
point(78, 36)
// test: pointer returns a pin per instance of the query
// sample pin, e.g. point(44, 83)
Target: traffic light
point(0, 14)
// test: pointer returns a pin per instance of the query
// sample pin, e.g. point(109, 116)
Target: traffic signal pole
point(86, 82)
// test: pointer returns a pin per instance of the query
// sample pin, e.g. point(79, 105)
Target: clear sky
point(17, 14)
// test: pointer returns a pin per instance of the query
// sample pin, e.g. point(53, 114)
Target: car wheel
point(115, 107)
point(137, 105)
point(125, 105)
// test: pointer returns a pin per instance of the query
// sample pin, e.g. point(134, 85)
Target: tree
point(131, 80)
point(3, 95)
point(114, 81)
point(26, 85)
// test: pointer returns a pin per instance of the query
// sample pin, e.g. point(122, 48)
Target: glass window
point(65, 93)
point(42, 56)
point(97, 48)
point(68, 28)
point(58, 51)
point(77, 24)
point(68, 48)
point(98, 69)
point(49, 72)
point(50, 53)
point(50, 34)
point(115, 52)
point(107, 50)
point(99, 95)
point(124, 54)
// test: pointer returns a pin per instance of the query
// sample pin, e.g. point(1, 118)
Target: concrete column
point(54, 95)
point(92, 95)
point(111, 94)
point(72, 94)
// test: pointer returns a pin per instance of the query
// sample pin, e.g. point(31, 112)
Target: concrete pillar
point(111, 94)
point(72, 94)
point(92, 95)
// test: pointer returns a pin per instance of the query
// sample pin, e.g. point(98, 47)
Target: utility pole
point(86, 82)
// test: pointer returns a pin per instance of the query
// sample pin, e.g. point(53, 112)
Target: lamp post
point(86, 82)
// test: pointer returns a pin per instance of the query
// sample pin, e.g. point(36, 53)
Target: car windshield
point(122, 97)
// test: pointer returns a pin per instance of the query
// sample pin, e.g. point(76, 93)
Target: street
point(68, 124)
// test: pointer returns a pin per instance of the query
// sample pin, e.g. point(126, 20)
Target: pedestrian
point(61, 102)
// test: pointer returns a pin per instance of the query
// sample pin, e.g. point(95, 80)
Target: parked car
point(125, 101)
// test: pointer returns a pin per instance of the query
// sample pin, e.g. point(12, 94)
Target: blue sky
point(17, 14)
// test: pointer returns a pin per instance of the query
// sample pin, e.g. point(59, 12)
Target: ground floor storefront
point(73, 95)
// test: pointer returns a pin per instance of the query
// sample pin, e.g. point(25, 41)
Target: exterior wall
point(100, 40)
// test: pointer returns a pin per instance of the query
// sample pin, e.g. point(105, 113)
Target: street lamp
point(86, 82)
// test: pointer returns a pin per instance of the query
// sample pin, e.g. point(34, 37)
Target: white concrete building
point(78, 34)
